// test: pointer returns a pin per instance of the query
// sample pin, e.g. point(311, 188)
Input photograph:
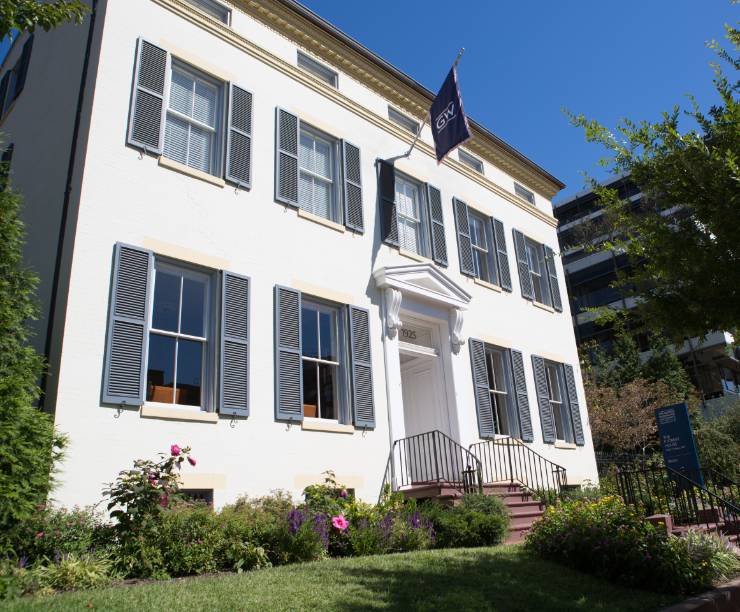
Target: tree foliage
point(29, 445)
point(27, 15)
point(683, 239)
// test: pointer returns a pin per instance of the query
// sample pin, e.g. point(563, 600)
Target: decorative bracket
point(392, 307)
point(457, 337)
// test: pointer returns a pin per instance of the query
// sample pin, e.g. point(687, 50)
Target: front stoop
point(725, 598)
point(523, 510)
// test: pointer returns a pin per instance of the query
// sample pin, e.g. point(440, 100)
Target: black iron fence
point(431, 458)
point(506, 460)
point(663, 490)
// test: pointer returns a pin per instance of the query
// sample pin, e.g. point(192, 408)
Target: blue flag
point(449, 123)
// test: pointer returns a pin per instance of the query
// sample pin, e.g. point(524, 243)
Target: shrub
point(608, 538)
point(586, 491)
point(189, 539)
point(55, 532)
point(479, 520)
point(30, 444)
point(714, 551)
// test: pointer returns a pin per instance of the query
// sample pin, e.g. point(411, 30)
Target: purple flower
point(343, 493)
point(296, 517)
point(321, 528)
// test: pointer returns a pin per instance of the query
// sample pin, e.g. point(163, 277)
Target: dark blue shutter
point(575, 411)
point(502, 257)
point(552, 273)
point(239, 137)
point(522, 398)
point(525, 279)
point(481, 389)
point(361, 368)
point(387, 195)
point(128, 322)
point(352, 191)
point(288, 370)
point(20, 79)
point(146, 116)
point(543, 399)
point(286, 157)
point(234, 387)
point(436, 226)
point(465, 250)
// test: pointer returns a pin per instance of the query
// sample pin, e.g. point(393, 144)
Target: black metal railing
point(663, 490)
point(431, 458)
point(507, 460)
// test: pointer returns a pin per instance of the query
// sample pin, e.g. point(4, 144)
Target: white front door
point(424, 405)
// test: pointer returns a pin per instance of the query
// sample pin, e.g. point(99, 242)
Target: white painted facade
point(122, 196)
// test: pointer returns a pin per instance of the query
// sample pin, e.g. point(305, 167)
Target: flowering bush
point(137, 500)
point(608, 538)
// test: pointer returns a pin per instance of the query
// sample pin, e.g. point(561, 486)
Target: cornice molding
point(319, 42)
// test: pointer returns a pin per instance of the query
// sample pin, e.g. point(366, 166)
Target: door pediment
point(423, 281)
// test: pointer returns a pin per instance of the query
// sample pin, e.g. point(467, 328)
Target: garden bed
point(493, 578)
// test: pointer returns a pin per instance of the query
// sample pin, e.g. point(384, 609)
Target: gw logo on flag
point(449, 124)
point(447, 115)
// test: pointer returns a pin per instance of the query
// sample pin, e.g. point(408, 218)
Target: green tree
point(683, 241)
point(27, 15)
point(29, 444)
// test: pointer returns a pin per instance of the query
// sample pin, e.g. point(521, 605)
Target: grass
point(499, 578)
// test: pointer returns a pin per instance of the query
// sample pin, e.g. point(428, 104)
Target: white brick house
point(227, 262)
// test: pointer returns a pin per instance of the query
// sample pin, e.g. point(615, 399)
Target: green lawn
point(500, 578)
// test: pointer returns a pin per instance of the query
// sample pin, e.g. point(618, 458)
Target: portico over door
point(419, 370)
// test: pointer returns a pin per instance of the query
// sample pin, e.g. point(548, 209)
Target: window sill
point(309, 424)
point(565, 445)
point(487, 285)
point(414, 256)
point(544, 307)
point(321, 221)
point(178, 414)
point(183, 169)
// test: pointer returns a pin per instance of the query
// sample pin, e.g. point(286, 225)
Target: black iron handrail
point(663, 490)
point(431, 458)
point(507, 460)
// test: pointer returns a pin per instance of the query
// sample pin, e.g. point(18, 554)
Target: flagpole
point(418, 134)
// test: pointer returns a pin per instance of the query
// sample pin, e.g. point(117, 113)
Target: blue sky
point(526, 60)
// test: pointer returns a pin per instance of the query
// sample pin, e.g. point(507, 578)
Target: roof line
point(410, 82)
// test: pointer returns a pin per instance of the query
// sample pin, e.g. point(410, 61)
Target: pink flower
point(191, 461)
point(40, 534)
point(339, 522)
point(164, 500)
point(175, 450)
point(343, 493)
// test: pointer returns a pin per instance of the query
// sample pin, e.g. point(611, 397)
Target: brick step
point(516, 534)
point(513, 505)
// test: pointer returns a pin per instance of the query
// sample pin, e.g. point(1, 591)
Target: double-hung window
point(184, 115)
point(538, 272)
point(503, 404)
point(320, 359)
point(179, 337)
point(317, 183)
point(412, 229)
point(193, 121)
point(558, 402)
point(481, 242)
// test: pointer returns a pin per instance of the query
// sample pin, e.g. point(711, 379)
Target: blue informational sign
point(677, 441)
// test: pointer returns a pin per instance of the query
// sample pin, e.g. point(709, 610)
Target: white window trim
point(422, 223)
point(217, 151)
point(404, 121)
point(338, 391)
point(217, 6)
point(470, 161)
point(317, 69)
point(336, 204)
point(207, 402)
